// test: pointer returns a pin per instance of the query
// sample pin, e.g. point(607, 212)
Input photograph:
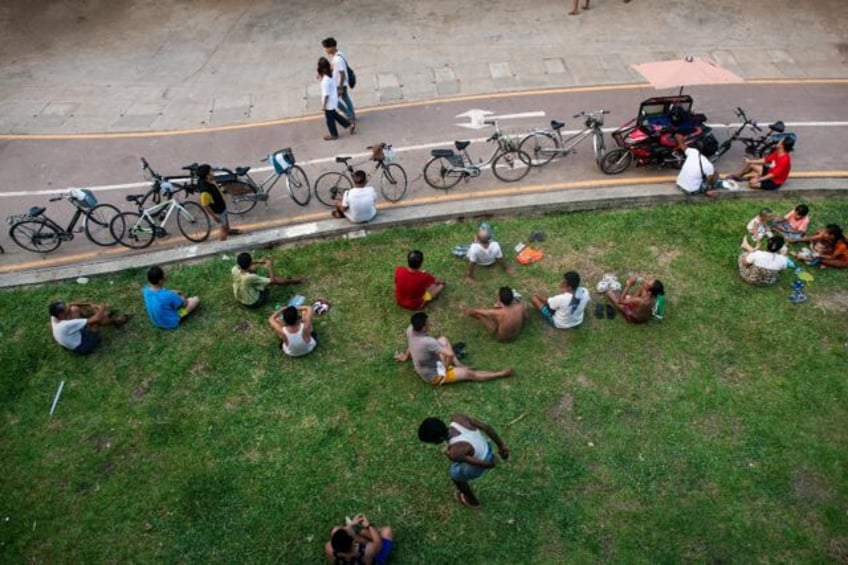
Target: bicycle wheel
point(132, 230)
point(541, 146)
point(512, 166)
point(193, 221)
point(616, 161)
point(329, 185)
point(298, 185)
point(98, 222)
point(240, 196)
point(35, 236)
point(393, 182)
point(439, 173)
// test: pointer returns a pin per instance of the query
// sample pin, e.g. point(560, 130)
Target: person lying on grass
point(294, 328)
point(359, 543)
point(435, 360)
point(251, 289)
point(485, 252)
point(76, 325)
point(505, 320)
point(470, 453)
point(638, 308)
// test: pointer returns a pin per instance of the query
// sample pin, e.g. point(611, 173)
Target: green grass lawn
point(716, 435)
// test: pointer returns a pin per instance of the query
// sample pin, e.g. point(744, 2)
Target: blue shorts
point(382, 557)
point(464, 472)
point(90, 340)
point(547, 314)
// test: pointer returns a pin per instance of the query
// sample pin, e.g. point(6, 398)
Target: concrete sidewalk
point(141, 65)
point(449, 210)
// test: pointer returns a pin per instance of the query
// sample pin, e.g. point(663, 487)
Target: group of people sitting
point(437, 361)
point(826, 247)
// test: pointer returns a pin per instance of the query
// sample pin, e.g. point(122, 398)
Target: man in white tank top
point(295, 331)
point(468, 449)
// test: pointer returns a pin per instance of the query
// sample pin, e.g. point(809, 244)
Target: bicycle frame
point(151, 213)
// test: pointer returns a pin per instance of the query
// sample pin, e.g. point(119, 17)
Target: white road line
point(408, 149)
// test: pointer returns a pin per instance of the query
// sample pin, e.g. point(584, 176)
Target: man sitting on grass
point(251, 289)
point(294, 328)
point(639, 308)
point(76, 324)
point(485, 252)
point(435, 360)
point(359, 542)
point(505, 320)
point(565, 310)
point(166, 308)
point(470, 453)
point(415, 288)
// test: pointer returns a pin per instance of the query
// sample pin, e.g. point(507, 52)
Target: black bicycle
point(38, 233)
point(754, 146)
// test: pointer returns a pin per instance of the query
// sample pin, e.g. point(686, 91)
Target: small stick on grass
point(517, 419)
point(56, 398)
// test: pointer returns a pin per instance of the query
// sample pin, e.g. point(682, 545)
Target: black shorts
point(90, 340)
point(264, 295)
point(768, 184)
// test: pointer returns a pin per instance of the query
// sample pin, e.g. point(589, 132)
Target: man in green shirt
point(251, 289)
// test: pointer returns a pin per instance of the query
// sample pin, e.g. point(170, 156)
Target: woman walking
point(330, 100)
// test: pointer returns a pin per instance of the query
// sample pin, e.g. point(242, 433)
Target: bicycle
point(243, 192)
point(137, 230)
point(230, 186)
point(544, 144)
point(507, 161)
point(38, 233)
point(754, 146)
point(392, 180)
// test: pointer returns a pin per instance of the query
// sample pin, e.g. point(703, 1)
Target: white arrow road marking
point(478, 118)
point(410, 148)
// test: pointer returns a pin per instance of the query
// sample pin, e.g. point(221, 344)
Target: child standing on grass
point(794, 224)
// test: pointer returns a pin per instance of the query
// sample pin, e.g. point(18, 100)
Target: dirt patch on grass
point(831, 301)
point(810, 486)
point(837, 549)
point(562, 409)
point(139, 391)
point(665, 255)
point(242, 327)
point(585, 381)
point(100, 442)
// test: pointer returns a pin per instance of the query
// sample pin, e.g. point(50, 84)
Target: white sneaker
point(603, 286)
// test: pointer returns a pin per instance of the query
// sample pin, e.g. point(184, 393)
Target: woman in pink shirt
point(794, 224)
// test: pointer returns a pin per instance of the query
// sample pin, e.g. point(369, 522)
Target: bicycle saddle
point(343, 159)
point(556, 125)
point(36, 211)
point(778, 126)
point(460, 145)
point(135, 198)
point(442, 153)
point(240, 171)
point(193, 167)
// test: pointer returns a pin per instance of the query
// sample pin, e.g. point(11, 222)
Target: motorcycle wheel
point(616, 161)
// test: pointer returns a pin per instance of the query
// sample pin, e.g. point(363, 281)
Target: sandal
point(610, 311)
point(353, 128)
point(599, 311)
point(330, 137)
point(337, 214)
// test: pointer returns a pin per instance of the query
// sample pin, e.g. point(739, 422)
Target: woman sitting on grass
point(762, 268)
point(828, 248)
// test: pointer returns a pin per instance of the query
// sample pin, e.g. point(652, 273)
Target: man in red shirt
point(414, 288)
point(771, 172)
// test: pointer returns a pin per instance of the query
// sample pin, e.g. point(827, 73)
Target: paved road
point(816, 108)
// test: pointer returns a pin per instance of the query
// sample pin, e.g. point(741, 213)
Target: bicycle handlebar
point(54, 199)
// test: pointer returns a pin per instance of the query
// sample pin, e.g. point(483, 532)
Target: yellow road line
point(385, 107)
point(445, 197)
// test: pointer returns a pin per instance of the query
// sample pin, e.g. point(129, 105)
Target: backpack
point(351, 76)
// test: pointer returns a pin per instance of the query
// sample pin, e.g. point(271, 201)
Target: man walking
point(213, 201)
point(469, 451)
point(342, 77)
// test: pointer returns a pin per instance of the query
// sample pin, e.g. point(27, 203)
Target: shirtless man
point(470, 453)
point(637, 308)
point(505, 320)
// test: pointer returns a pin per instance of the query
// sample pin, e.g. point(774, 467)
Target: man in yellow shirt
point(213, 201)
point(251, 289)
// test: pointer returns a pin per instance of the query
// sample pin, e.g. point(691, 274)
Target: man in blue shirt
point(166, 308)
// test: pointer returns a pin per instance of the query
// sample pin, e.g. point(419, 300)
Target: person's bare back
point(504, 321)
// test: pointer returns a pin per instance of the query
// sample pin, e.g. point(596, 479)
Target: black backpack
point(351, 76)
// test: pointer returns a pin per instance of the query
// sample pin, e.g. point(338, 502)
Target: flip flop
point(330, 137)
point(599, 311)
point(610, 311)
point(464, 501)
